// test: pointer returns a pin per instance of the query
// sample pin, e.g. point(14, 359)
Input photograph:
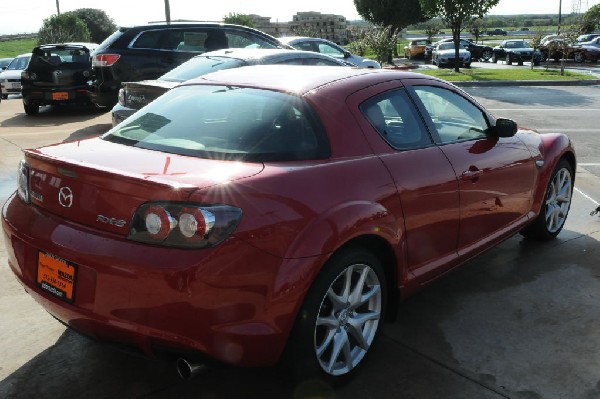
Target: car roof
point(299, 79)
point(258, 55)
point(89, 46)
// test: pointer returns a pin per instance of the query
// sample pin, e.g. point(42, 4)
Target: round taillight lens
point(194, 222)
point(158, 222)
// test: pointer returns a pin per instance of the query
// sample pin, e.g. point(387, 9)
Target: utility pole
point(559, 15)
point(57, 8)
point(167, 11)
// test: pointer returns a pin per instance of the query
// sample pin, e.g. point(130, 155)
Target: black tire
point(555, 208)
point(520, 63)
point(579, 57)
point(4, 96)
point(494, 58)
point(310, 353)
point(486, 55)
point(508, 59)
point(31, 109)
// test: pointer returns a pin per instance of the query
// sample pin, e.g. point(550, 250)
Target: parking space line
point(587, 197)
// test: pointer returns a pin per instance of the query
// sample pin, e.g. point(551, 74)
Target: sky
point(27, 16)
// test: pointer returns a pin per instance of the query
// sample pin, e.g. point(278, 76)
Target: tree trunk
point(456, 38)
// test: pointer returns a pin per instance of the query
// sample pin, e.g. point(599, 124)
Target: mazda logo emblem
point(65, 197)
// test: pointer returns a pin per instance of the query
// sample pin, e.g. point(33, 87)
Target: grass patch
point(12, 48)
point(466, 75)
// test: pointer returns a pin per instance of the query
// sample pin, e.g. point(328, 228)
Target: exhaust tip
point(188, 370)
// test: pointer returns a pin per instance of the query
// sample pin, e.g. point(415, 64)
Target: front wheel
point(556, 204)
point(340, 316)
point(579, 57)
point(494, 58)
point(508, 59)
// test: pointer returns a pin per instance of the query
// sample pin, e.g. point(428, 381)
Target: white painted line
point(588, 164)
point(587, 197)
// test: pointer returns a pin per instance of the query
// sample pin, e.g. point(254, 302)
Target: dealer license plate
point(56, 276)
point(60, 95)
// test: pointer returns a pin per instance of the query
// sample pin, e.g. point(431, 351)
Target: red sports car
point(274, 212)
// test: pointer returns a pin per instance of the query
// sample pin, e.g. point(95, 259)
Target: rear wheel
point(340, 316)
point(494, 58)
point(486, 55)
point(4, 96)
point(579, 57)
point(31, 109)
point(556, 204)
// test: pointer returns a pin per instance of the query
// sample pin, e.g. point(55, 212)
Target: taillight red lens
point(159, 222)
point(198, 225)
point(103, 60)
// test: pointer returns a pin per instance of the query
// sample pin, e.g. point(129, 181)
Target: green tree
point(456, 13)
point(98, 23)
point(591, 19)
point(62, 28)
point(431, 28)
point(395, 14)
point(239, 19)
point(476, 27)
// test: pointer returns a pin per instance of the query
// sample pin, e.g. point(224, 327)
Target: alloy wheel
point(558, 200)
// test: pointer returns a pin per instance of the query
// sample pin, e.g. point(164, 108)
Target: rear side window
point(225, 122)
point(392, 115)
point(241, 39)
point(149, 39)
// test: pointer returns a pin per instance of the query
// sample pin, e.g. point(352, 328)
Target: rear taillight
point(23, 182)
point(183, 224)
point(104, 60)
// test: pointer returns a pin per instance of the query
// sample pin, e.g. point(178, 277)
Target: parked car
point(194, 228)
point(328, 48)
point(135, 95)
point(57, 74)
point(478, 51)
point(557, 49)
point(445, 54)
point(586, 53)
point(149, 51)
point(594, 43)
point(516, 50)
point(496, 32)
point(4, 63)
point(587, 37)
point(10, 78)
point(416, 48)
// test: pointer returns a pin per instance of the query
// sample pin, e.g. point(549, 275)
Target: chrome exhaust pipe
point(187, 370)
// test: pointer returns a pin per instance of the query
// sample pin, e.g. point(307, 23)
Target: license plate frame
point(56, 276)
point(60, 95)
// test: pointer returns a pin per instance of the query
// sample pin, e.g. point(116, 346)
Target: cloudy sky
point(27, 16)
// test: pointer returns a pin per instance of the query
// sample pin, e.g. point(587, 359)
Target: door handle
point(472, 174)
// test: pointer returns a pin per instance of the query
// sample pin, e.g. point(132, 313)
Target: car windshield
point(446, 46)
point(518, 44)
point(51, 57)
point(199, 66)
point(226, 122)
point(19, 63)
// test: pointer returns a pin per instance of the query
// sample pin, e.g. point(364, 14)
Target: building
point(326, 26)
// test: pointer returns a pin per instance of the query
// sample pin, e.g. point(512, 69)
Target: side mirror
point(504, 128)
point(347, 54)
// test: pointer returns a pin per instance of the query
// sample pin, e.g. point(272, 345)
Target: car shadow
point(88, 132)
point(48, 116)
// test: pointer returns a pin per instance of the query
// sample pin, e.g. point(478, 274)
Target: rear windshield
point(199, 66)
point(55, 56)
point(228, 123)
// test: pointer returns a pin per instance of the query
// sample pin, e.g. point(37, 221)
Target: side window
point(325, 48)
point(241, 39)
point(185, 40)
point(306, 46)
point(291, 61)
point(392, 115)
point(455, 118)
point(149, 39)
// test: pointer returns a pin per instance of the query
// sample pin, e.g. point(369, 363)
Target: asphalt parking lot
point(521, 321)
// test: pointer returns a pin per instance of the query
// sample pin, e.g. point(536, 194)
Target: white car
point(328, 48)
point(10, 78)
point(444, 54)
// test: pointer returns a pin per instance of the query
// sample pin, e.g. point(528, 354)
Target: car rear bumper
point(221, 302)
point(55, 95)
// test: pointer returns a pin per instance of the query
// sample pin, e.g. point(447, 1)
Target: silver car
point(329, 48)
point(445, 54)
point(135, 95)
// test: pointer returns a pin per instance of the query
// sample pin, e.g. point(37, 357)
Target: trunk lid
point(101, 184)
point(138, 94)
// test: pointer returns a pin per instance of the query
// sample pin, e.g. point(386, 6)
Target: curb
point(481, 83)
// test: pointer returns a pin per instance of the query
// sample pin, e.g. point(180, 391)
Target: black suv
point(57, 74)
point(149, 51)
